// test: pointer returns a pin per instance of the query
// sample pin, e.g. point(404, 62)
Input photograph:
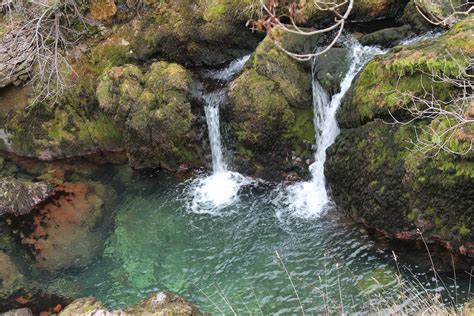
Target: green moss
point(379, 88)
point(463, 230)
point(413, 215)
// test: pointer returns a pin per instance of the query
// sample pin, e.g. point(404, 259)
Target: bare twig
point(46, 31)
point(271, 9)
point(453, 115)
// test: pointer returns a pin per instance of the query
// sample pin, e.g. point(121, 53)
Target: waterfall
point(308, 199)
point(213, 101)
point(213, 193)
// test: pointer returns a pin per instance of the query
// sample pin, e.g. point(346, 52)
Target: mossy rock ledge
point(153, 108)
point(271, 112)
point(377, 174)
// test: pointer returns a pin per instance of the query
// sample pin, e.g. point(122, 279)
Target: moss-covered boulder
point(186, 32)
point(376, 90)
point(382, 174)
point(69, 126)
point(379, 179)
point(153, 108)
point(271, 112)
point(412, 17)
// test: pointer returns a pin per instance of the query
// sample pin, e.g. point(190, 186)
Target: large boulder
point(412, 17)
point(271, 111)
point(64, 233)
point(161, 303)
point(331, 67)
point(153, 108)
point(380, 174)
point(19, 197)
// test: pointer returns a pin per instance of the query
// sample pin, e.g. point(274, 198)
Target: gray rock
point(387, 37)
point(18, 197)
point(331, 67)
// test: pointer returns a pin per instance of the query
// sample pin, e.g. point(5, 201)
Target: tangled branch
point(44, 33)
point(274, 16)
point(454, 118)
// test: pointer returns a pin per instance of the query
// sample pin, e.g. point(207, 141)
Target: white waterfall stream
point(213, 101)
point(307, 199)
point(213, 193)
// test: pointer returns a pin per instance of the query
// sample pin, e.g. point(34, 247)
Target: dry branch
point(273, 16)
point(37, 45)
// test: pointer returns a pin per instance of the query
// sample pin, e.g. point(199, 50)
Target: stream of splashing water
point(213, 193)
point(309, 199)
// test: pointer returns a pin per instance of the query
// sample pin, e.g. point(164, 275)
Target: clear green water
point(156, 244)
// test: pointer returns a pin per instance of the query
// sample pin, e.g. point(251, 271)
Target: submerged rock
point(161, 303)
point(10, 277)
point(65, 231)
point(153, 108)
point(271, 111)
point(19, 197)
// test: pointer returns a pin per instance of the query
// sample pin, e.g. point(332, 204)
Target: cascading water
point(309, 199)
point(213, 102)
point(213, 193)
